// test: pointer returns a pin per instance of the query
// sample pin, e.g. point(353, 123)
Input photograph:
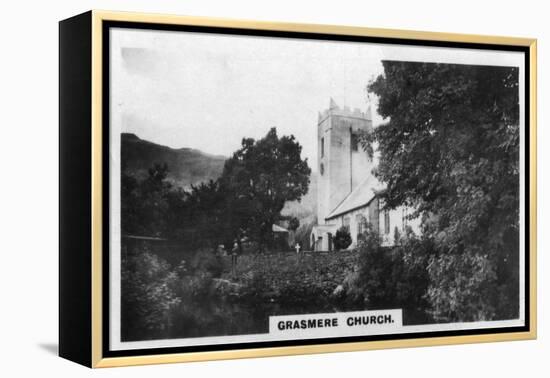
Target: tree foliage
point(245, 201)
point(148, 294)
point(342, 239)
point(293, 224)
point(450, 149)
point(145, 203)
point(205, 212)
point(393, 277)
point(261, 177)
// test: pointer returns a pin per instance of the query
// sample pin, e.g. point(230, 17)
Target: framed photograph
point(235, 189)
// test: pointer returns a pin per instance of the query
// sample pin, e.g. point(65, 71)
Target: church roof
point(359, 197)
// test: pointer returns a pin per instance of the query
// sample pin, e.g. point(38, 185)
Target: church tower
point(343, 164)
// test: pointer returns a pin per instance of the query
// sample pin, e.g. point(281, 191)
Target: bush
point(206, 261)
point(342, 239)
point(255, 287)
point(196, 277)
point(196, 286)
point(302, 288)
point(414, 255)
point(293, 224)
point(391, 277)
point(148, 294)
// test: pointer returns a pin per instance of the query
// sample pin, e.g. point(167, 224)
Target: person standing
point(234, 255)
point(297, 247)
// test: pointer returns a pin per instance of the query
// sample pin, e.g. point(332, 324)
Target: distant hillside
point(186, 166)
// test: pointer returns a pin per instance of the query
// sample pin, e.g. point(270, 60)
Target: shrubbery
point(466, 119)
point(391, 277)
point(148, 294)
point(152, 289)
point(303, 288)
point(342, 239)
point(255, 287)
point(207, 261)
point(196, 277)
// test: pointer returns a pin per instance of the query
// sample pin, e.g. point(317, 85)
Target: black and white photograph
point(271, 188)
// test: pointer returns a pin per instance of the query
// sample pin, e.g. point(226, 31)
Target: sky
point(207, 91)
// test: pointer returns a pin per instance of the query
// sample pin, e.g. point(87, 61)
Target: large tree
point(450, 148)
point(260, 178)
point(144, 203)
point(204, 214)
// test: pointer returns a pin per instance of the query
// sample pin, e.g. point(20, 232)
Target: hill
point(186, 166)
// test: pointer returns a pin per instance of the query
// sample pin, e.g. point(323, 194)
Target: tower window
point(322, 147)
point(354, 142)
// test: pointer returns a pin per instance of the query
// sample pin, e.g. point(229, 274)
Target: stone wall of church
point(358, 219)
point(340, 162)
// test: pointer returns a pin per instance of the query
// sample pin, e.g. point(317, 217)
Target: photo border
point(102, 21)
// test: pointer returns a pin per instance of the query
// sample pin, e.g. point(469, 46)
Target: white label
point(336, 324)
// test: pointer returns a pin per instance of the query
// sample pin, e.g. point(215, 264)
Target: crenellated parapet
point(345, 111)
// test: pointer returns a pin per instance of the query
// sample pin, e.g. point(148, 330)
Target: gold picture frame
point(86, 33)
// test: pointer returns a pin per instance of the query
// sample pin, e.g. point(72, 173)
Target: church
point(346, 189)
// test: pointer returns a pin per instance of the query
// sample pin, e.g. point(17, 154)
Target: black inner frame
point(106, 25)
